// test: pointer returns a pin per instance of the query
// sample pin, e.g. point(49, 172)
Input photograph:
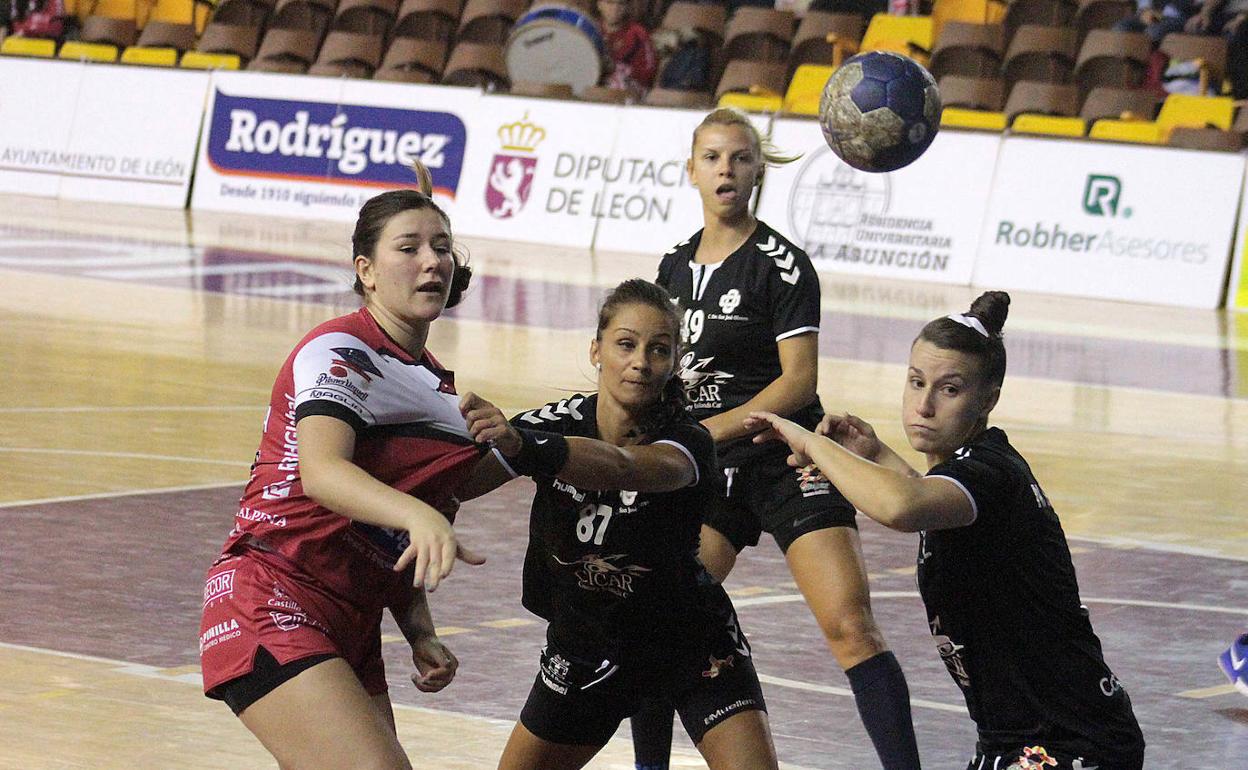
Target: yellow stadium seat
point(805, 88)
point(115, 9)
point(1134, 131)
point(27, 46)
point(757, 100)
point(1196, 112)
point(1030, 123)
point(80, 51)
point(983, 120)
point(197, 60)
point(173, 11)
point(909, 35)
point(150, 57)
point(973, 11)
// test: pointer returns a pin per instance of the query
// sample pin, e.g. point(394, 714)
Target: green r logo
point(1101, 194)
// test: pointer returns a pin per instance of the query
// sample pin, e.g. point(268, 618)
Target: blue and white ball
point(880, 111)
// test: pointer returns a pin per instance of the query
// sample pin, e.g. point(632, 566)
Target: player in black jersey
point(750, 305)
point(623, 478)
point(994, 569)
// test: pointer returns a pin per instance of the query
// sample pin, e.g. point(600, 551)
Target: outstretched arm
point(893, 498)
point(583, 462)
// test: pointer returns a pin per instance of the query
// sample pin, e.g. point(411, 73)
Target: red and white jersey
point(409, 435)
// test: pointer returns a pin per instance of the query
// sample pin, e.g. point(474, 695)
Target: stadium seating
point(77, 50)
point(1030, 123)
point(825, 38)
point(411, 60)
point(1100, 14)
point(150, 57)
point(708, 19)
point(286, 50)
point(1196, 112)
point(489, 21)
point(348, 54)
point(1133, 131)
point(968, 49)
point(805, 88)
point(428, 19)
point(752, 77)
point(605, 95)
point(1111, 58)
point(477, 64)
point(758, 34)
point(1055, 99)
point(1040, 54)
point(200, 60)
point(1113, 103)
point(908, 35)
point(1208, 50)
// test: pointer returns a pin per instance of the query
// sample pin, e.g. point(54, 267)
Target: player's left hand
point(435, 664)
point(776, 428)
point(488, 425)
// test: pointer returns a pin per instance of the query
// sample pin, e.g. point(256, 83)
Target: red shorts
point(250, 601)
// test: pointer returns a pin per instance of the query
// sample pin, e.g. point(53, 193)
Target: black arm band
point(541, 453)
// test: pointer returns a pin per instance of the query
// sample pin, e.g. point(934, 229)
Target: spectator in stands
point(37, 18)
point(1158, 18)
point(1227, 17)
point(633, 57)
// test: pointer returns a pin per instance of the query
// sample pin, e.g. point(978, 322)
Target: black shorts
point(582, 703)
point(766, 495)
point(240, 693)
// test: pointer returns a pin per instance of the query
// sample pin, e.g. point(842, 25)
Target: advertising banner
point(320, 147)
point(921, 222)
point(649, 203)
point(99, 132)
point(141, 123)
point(37, 103)
point(1144, 224)
point(536, 172)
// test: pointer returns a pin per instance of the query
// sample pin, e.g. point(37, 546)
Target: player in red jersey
point(363, 444)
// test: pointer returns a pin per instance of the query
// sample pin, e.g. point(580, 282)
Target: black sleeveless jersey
point(734, 314)
point(616, 572)
point(1003, 604)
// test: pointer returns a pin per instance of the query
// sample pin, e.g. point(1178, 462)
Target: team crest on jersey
point(595, 572)
point(716, 665)
point(1033, 758)
point(702, 383)
point(812, 481)
point(729, 300)
point(355, 360)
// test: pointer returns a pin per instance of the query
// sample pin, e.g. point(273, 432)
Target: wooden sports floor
point(138, 350)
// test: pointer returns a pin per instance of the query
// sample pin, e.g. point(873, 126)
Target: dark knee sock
point(884, 704)
point(652, 735)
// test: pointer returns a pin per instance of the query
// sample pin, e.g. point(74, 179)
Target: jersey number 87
point(585, 526)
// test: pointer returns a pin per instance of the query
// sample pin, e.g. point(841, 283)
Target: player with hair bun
point(348, 510)
point(994, 569)
point(750, 304)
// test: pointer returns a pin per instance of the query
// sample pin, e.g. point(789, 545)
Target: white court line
point(121, 455)
point(786, 598)
point(847, 693)
point(126, 493)
point(72, 409)
point(1146, 545)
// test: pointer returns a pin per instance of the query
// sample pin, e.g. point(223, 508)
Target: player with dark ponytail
point(623, 479)
point(994, 569)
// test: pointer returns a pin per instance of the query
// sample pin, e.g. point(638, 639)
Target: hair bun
point(991, 308)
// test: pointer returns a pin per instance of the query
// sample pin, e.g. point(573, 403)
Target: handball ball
point(880, 111)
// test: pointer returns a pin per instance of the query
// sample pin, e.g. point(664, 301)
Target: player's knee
point(852, 632)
